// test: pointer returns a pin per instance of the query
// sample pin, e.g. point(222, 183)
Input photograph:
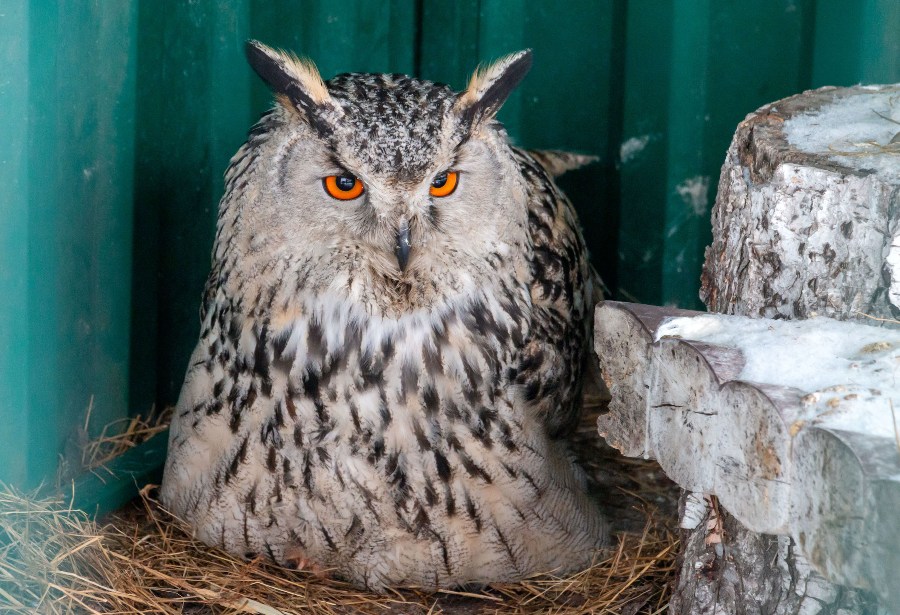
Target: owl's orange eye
point(444, 184)
point(343, 187)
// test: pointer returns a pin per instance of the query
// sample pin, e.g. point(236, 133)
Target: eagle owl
point(393, 337)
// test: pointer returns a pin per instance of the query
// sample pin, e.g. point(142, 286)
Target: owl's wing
point(563, 296)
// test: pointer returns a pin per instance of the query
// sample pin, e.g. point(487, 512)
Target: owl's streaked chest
point(323, 371)
point(330, 355)
point(305, 404)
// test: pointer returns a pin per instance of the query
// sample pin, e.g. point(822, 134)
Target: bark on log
point(805, 223)
point(805, 220)
point(752, 573)
point(788, 425)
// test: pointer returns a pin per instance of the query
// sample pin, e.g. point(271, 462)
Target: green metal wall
point(118, 117)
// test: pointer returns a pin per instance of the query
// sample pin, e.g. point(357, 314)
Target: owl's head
point(390, 191)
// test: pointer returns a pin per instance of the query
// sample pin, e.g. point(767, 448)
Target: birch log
point(780, 427)
point(805, 223)
point(805, 220)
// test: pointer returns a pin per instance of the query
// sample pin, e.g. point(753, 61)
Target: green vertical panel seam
point(642, 171)
point(687, 189)
point(45, 380)
point(177, 73)
point(230, 92)
point(118, 258)
point(15, 311)
point(79, 228)
point(615, 119)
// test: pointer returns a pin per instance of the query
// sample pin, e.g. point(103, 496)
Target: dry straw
point(142, 560)
point(56, 560)
point(119, 436)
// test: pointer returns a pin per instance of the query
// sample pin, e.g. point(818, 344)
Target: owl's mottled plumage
point(395, 422)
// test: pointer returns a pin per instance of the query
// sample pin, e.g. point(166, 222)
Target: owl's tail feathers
point(630, 492)
point(556, 162)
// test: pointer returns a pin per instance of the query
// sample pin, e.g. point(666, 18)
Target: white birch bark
point(805, 220)
point(805, 223)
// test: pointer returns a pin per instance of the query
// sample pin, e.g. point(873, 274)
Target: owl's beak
point(401, 249)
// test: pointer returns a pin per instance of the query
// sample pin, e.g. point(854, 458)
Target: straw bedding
point(141, 560)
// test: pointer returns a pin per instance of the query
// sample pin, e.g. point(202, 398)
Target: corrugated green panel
point(193, 112)
point(449, 45)
point(688, 183)
point(751, 66)
point(643, 150)
point(78, 98)
point(856, 42)
point(14, 308)
point(694, 70)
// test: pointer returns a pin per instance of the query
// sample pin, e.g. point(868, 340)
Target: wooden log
point(805, 217)
point(749, 572)
point(625, 425)
point(766, 416)
point(805, 224)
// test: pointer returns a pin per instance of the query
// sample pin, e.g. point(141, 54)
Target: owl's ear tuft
point(490, 86)
point(296, 83)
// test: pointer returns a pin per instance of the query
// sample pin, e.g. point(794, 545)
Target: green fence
point(118, 118)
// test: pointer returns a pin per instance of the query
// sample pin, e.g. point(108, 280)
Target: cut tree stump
point(805, 223)
point(781, 424)
point(805, 220)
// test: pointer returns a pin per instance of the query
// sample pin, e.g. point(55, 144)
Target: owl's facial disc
point(344, 187)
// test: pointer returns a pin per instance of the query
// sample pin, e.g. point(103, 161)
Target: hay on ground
point(141, 560)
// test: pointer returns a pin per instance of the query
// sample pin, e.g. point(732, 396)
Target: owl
point(393, 337)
